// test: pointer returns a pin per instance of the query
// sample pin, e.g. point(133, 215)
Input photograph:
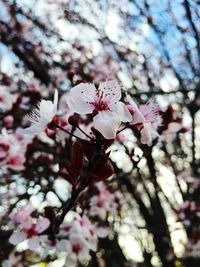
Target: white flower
point(30, 231)
point(42, 116)
point(78, 250)
point(148, 134)
point(86, 99)
point(12, 150)
point(146, 118)
point(12, 261)
point(22, 215)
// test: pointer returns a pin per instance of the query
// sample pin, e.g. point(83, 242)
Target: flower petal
point(107, 123)
point(80, 97)
point(122, 111)
point(137, 115)
point(42, 224)
point(33, 243)
point(112, 91)
point(55, 101)
point(33, 130)
point(17, 238)
point(46, 110)
point(148, 133)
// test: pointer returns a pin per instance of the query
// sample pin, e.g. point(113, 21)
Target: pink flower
point(86, 99)
point(15, 162)
point(13, 261)
point(21, 215)
point(30, 232)
point(146, 118)
point(4, 148)
point(12, 150)
point(78, 250)
point(102, 203)
point(42, 116)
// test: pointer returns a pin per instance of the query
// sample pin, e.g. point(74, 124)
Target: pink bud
point(8, 121)
point(184, 130)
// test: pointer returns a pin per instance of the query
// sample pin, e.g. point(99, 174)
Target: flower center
point(31, 232)
point(100, 105)
point(14, 161)
point(76, 248)
point(4, 147)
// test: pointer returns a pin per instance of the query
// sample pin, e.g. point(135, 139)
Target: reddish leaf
point(77, 159)
point(102, 169)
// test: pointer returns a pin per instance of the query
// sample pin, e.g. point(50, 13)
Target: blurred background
point(152, 47)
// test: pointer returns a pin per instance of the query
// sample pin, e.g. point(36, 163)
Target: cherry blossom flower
point(87, 99)
point(21, 215)
point(30, 231)
point(16, 162)
point(4, 148)
point(78, 250)
point(102, 203)
point(8, 121)
point(13, 261)
point(146, 118)
point(12, 150)
point(42, 116)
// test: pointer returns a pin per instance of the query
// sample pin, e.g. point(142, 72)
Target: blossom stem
point(70, 203)
point(122, 129)
point(64, 130)
point(84, 133)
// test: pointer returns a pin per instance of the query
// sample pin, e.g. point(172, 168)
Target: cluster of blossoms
point(29, 228)
point(14, 259)
point(104, 203)
point(94, 117)
point(108, 112)
point(12, 150)
point(189, 213)
point(77, 235)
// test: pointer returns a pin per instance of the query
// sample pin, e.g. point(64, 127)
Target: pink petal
point(107, 123)
point(33, 130)
point(148, 134)
point(42, 224)
point(137, 115)
point(112, 91)
point(80, 97)
point(33, 243)
point(17, 238)
point(122, 110)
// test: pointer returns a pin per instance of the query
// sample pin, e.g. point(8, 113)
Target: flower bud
point(8, 121)
point(74, 120)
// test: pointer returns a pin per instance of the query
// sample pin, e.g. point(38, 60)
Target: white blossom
point(42, 116)
point(87, 99)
